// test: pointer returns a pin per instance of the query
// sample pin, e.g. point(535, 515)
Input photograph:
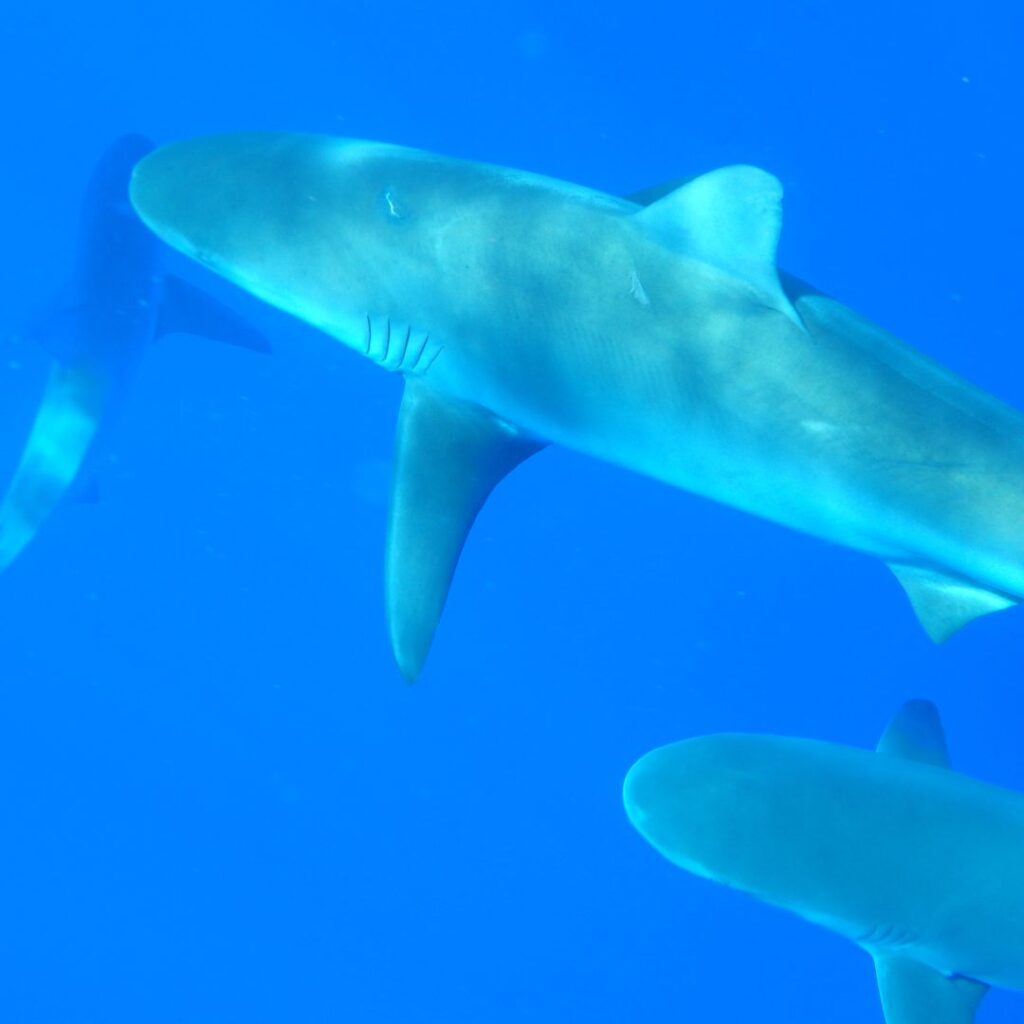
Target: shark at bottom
point(918, 864)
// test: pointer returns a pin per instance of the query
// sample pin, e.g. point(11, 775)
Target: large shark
point(119, 300)
point(522, 310)
point(919, 865)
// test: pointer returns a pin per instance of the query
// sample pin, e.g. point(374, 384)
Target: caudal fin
point(61, 438)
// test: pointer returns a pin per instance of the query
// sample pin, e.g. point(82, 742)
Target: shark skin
point(523, 311)
point(916, 863)
point(118, 301)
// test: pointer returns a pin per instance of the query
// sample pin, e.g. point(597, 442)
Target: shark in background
point(523, 311)
point(918, 864)
point(119, 300)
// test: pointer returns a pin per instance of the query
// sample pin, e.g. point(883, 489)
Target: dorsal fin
point(449, 456)
point(916, 733)
point(944, 605)
point(731, 219)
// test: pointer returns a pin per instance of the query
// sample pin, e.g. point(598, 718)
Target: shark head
point(694, 800)
point(733, 808)
point(335, 231)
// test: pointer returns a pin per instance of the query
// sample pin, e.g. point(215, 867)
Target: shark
point(916, 863)
point(119, 300)
point(654, 333)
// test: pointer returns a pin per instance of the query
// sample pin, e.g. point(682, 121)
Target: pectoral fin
point(914, 994)
point(449, 457)
point(944, 605)
point(188, 310)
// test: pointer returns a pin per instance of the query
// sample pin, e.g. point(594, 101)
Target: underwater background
point(218, 800)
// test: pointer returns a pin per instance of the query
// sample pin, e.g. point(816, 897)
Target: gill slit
point(886, 936)
point(405, 344)
point(419, 354)
point(411, 358)
point(433, 358)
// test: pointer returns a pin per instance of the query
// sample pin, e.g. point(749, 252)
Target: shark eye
point(391, 205)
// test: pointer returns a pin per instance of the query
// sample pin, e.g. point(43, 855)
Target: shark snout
point(655, 789)
point(180, 193)
point(680, 796)
point(224, 199)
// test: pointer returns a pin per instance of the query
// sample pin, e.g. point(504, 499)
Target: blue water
point(218, 801)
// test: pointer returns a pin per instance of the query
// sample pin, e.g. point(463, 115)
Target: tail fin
point(61, 439)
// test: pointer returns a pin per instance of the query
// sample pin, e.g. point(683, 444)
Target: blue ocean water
point(218, 800)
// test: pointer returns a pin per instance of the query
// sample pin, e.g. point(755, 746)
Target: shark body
point(523, 311)
point(119, 300)
point(919, 865)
